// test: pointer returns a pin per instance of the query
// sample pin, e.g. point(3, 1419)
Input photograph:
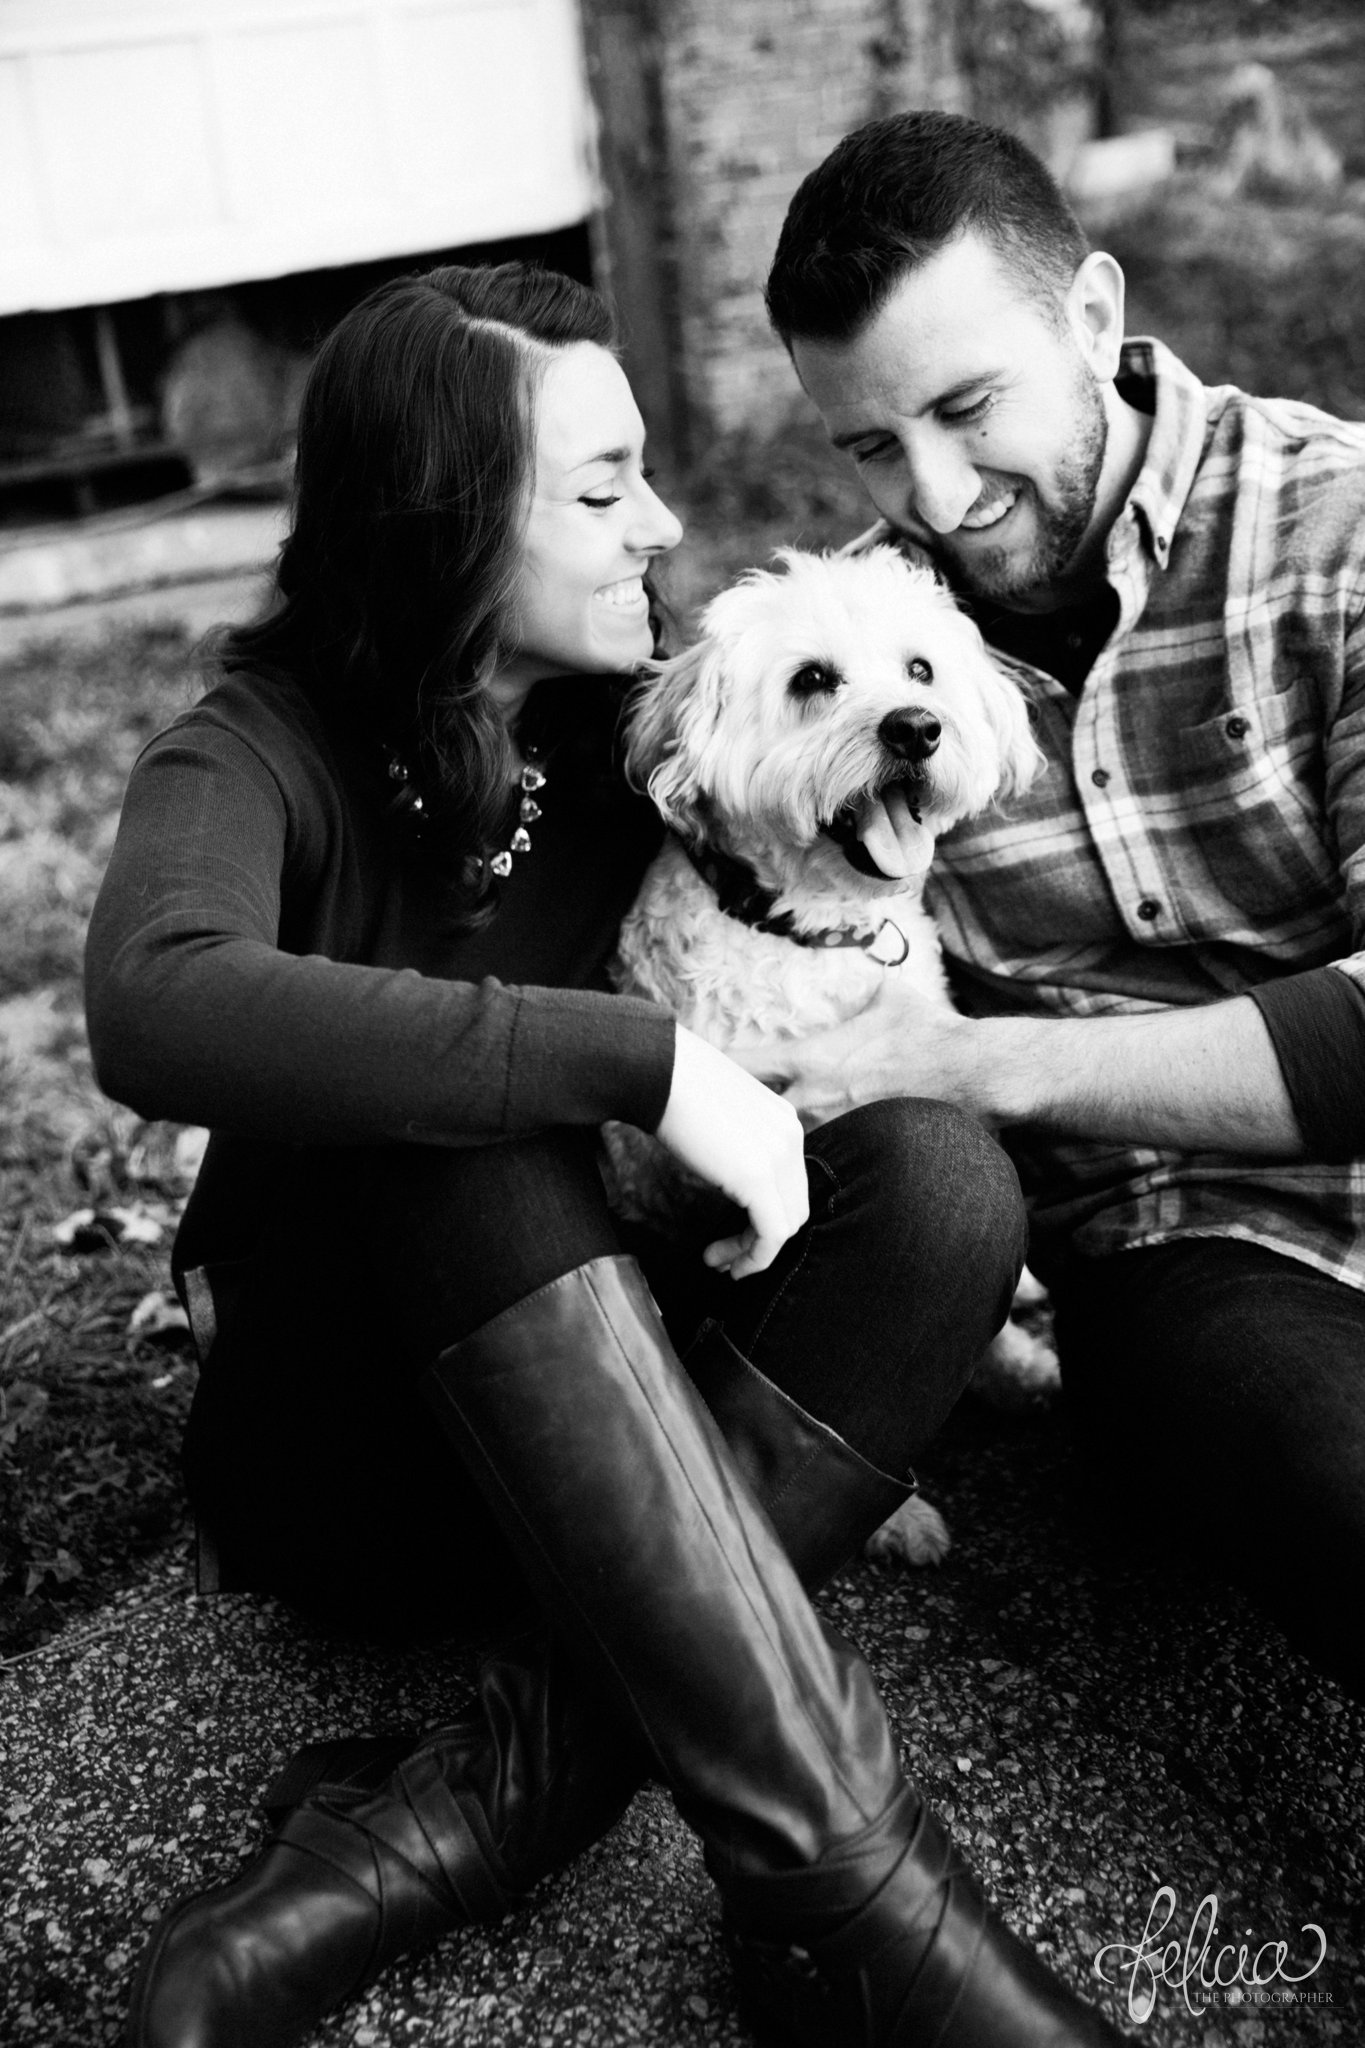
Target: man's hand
point(899, 1045)
point(1196, 1080)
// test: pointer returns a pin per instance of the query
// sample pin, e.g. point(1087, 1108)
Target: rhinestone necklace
point(408, 803)
point(531, 779)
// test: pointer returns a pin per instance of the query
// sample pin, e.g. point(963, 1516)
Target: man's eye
point(876, 451)
point(961, 415)
point(600, 504)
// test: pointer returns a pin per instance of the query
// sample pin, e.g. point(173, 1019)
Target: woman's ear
point(671, 718)
point(1094, 311)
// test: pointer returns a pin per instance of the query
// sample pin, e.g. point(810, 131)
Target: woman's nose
point(656, 529)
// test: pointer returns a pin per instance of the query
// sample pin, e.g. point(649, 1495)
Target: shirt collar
point(1179, 414)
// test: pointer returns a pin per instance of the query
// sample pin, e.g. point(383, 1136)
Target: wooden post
point(118, 409)
point(634, 245)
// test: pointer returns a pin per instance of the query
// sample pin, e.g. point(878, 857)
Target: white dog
point(809, 694)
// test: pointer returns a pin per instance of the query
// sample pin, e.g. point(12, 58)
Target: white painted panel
point(22, 226)
point(313, 133)
point(163, 145)
point(137, 156)
point(464, 126)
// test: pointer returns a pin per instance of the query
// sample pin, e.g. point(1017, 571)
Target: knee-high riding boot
point(382, 1846)
point(851, 1918)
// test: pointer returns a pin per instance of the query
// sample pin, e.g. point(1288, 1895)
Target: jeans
point(307, 1453)
point(1222, 1388)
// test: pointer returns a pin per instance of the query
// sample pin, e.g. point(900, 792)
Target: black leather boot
point(843, 1898)
point(822, 1497)
point(383, 1845)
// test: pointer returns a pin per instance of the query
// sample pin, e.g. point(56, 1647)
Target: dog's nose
point(911, 735)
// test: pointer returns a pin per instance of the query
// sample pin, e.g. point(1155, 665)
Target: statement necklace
point(531, 779)
point(406, 802)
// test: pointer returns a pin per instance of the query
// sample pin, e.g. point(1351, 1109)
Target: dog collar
point(741, 895)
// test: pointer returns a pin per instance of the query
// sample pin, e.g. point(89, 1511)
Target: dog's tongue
point(894, 837)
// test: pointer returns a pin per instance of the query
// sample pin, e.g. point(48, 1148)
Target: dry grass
point(89, 1413)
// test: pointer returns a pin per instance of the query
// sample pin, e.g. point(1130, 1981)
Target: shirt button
point(1099, 776)
point(1237, 728)
point(1148, 909)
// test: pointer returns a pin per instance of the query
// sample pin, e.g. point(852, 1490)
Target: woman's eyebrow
point(612, 455)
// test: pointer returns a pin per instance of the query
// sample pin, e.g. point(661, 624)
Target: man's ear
point(1094, 311)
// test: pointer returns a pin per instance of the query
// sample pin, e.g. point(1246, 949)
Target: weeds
point(90, 1413)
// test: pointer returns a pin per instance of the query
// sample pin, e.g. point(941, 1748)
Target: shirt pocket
point(1253, 818)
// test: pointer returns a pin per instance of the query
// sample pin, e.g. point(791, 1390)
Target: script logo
point(1233, 1974)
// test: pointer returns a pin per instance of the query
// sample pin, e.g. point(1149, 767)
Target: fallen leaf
point(158, 1315)
point(96, 1230)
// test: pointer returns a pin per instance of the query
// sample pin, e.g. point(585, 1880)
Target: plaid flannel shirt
point(1200, 828)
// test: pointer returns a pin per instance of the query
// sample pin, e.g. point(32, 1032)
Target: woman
point(357, 921)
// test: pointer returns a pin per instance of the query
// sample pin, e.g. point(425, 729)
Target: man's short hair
point(895, 192)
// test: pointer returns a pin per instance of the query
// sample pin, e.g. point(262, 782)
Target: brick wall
point(755, 95)
point(714, 110)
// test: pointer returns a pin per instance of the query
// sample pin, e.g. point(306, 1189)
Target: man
point(1158, 946)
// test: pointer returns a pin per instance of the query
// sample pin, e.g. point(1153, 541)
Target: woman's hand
point(730, 1130)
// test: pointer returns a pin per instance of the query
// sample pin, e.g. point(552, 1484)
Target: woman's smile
point(625, 596)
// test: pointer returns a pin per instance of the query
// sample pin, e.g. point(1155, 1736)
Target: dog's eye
point(918, 670)
point(817, 678)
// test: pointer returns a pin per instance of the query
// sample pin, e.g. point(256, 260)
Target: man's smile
point(988, 511)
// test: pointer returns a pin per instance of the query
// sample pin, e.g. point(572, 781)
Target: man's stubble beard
point(1061, 524)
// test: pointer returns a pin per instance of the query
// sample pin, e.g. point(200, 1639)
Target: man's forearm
point(1204, 1079)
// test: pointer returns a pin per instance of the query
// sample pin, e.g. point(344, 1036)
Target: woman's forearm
point(237, 1035)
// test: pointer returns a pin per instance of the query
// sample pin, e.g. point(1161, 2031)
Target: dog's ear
point(1007, 707)
point(671, 722)
point(1007, 710)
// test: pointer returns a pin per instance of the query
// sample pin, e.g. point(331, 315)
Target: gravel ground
point(1093, 1722)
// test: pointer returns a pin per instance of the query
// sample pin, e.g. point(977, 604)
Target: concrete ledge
point(196, 607)
point(44, 570)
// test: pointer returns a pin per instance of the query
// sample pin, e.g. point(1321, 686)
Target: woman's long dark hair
point(393, 589)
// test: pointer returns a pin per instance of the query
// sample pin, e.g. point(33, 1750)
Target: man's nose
point(942, 484)
point(912, 735)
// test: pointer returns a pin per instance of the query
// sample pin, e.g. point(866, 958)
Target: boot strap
point(437, 1838)
point(352, 1766)
point(927, 1900)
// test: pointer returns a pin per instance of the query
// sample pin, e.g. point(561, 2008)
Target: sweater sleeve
point(202, 1012)
point(1316, 1022)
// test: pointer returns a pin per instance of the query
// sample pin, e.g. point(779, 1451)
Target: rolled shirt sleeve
point(1316, 1023)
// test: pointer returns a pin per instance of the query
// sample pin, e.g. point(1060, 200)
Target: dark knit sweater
point(269, 956)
